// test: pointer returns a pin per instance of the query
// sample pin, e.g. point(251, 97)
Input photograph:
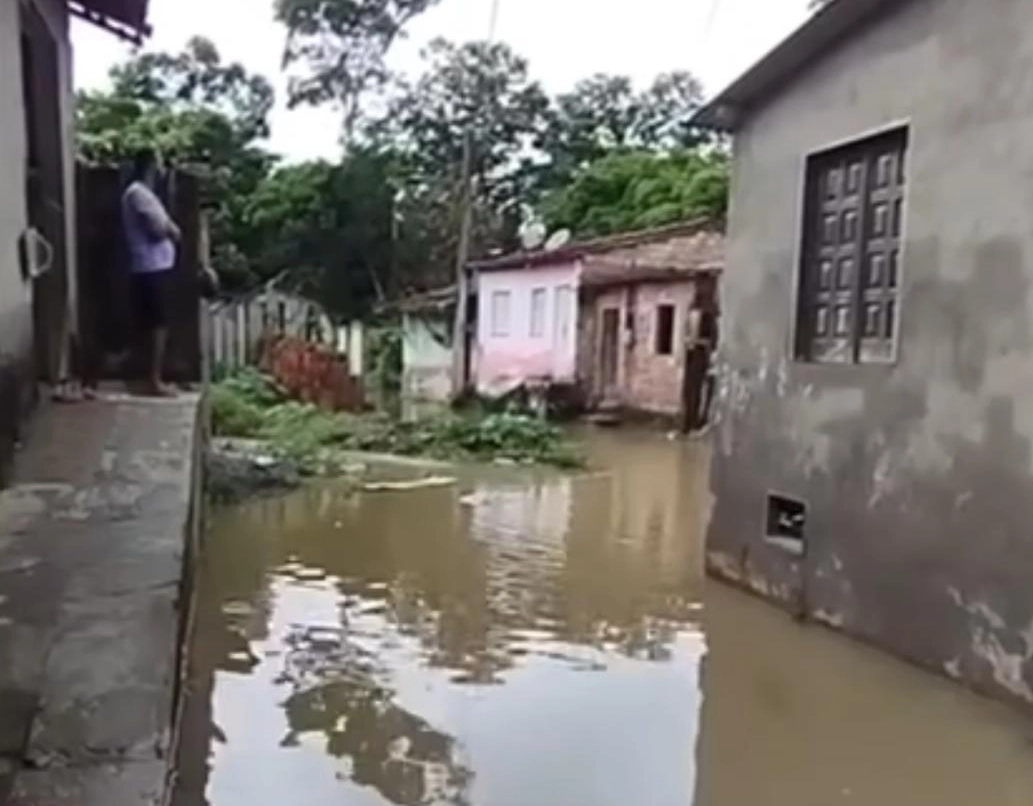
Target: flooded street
point(536, 639)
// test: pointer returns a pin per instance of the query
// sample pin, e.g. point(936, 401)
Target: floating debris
point(411, 484)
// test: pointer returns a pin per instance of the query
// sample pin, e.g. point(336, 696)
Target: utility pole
point(460, 326)
point(461, 323)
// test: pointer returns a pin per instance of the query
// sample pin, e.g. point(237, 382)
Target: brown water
point(524, 639)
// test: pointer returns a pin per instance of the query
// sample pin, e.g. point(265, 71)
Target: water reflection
point(335, 692)
point(536, 639)
point(454, 645)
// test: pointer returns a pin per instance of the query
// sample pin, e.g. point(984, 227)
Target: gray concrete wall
point(918, 475)
point(15, 293)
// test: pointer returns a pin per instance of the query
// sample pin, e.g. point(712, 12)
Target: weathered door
point(44, 186)
point(694, 380)
point(609, 346)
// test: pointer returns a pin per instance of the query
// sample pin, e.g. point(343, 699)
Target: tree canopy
point(336, 49)
point(641, 189)
point(604, 113)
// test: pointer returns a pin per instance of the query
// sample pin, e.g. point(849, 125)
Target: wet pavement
point(533, 638)
point(94, 532)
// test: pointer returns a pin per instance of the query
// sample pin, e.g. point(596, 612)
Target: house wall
point(505, 359)
point(16, 338)
point(426, 362)
point(654, 382)
point(918, 476)
point(646, 381)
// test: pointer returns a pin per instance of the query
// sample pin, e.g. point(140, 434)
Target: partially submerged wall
point(426, 357)
point(917, 476)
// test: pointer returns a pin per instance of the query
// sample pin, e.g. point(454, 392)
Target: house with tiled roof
point(628, 321)
point(873, 463)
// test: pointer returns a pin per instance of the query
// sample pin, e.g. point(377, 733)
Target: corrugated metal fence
point(236, 328)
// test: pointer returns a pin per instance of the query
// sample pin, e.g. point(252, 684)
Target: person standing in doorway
point(151, 238)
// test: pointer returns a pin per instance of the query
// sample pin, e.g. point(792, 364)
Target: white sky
point(564, 40)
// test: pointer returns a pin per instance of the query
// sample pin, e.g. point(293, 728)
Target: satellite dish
point(558, 239)
point(533, 235)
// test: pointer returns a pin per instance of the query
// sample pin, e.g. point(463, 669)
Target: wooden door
point(609, 346)
point(44, 185)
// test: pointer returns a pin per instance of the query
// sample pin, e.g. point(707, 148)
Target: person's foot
point(66, 392)
point(159, 389)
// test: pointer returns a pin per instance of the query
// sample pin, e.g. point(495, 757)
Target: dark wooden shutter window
point(850, 271)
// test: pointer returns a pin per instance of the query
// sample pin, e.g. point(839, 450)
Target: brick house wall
point(646, 381)
point(653, 382)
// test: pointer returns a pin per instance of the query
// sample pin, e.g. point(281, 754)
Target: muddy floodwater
point(537, 639)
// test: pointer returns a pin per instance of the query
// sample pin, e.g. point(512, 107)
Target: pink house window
point(538, 302)
point(500, 304)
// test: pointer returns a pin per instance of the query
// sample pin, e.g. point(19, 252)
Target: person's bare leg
point(159, 340)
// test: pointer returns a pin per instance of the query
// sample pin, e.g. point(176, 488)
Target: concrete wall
point(506, 358)
point(16, 337)
point(918, 476)
point(646, 381)
point(426, 362)
point(15, 294)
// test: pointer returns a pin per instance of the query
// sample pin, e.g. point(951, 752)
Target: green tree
point(202, 114)
point(336, 49)
point(328, 227)
point(637, 189)
point(197, 78)
point(486, 91)
point(604, 113)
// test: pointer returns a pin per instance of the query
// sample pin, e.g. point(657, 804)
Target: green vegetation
point(248, 405)
point(641, 190)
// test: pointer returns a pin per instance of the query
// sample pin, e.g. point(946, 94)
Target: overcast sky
point(563, 40)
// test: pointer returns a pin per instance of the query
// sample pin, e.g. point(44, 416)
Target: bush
point(233, 415)
point(253, 387)
point(247, 404)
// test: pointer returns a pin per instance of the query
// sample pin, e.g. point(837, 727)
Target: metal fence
point(237, 327)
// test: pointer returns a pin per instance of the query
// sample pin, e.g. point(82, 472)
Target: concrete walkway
point(93, 537)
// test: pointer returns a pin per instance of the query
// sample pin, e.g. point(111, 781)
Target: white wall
point(506, 358)
point(15, 299)
point(15, 295)
point(426, 362)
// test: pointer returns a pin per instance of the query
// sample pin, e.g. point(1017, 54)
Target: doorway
point(44, 186)
point(609, 346)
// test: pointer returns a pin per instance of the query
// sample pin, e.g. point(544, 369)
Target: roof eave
point(133, 28)
point(578, 250)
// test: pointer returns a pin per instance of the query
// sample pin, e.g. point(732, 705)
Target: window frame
point(538, 294)
point(501, 330)
point(669, 351)
point(859, 296)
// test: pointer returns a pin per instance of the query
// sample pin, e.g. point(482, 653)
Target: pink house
point(526, 324)
point(616, 317)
